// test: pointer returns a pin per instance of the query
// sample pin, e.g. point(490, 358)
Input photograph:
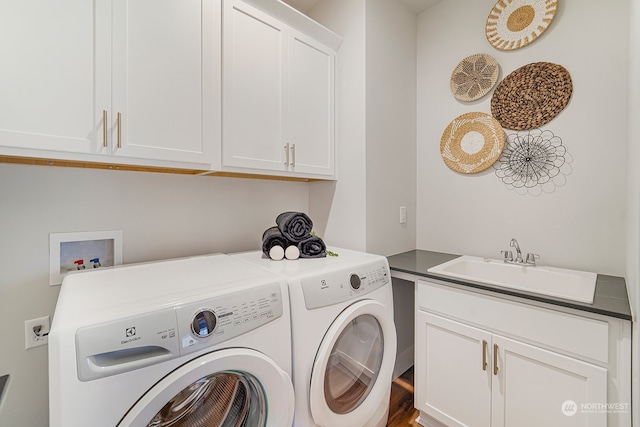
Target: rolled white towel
point(292, 252)
point(276, 253)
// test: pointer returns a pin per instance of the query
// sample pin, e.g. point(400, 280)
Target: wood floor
point(401, 410)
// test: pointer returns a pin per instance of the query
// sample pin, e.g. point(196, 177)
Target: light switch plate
point(403, 214)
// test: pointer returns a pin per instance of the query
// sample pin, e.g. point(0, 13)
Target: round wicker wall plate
point(474, 77)
point(513, 24)
point(531, 96)
point(472, 142)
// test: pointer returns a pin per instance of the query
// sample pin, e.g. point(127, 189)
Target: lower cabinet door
point(466, 376)
point(453, 372)
point(535, 387)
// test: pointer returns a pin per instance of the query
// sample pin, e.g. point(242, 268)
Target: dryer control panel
point(135, 342)
point(342, 285)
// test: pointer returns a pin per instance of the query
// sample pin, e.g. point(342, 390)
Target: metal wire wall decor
point(533, 161)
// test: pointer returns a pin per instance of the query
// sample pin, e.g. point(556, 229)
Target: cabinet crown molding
point(299, 21)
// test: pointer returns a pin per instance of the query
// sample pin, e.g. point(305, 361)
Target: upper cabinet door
point(278, 92)
point(164, 79)
point(311, 105)
point(50, 81)
point(253, 88)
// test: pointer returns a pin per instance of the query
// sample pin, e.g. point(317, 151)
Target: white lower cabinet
point(536, 387)
point(452, 372)
point(469, 377)
point(485, 362)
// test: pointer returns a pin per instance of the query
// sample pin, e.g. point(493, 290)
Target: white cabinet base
point(525, 364)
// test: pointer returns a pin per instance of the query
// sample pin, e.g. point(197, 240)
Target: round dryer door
point(351, 376)
point(231, 387)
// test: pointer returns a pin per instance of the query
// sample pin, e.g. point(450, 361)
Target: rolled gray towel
point(295, 226)
point(312, 247)
point(272, 237)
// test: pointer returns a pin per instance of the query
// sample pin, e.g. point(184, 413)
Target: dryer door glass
point(354, 364)
point(229, 399)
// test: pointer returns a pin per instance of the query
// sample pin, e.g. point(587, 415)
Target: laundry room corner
point(161, 216)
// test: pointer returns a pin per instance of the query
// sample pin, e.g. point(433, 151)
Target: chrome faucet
point(514, 244)
point(508, 255)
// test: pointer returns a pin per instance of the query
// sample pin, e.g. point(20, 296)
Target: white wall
point(343, 203)
point(391, 146)
point(375, 118)
point(376, 140)
point(391, 126)
point(633, 197)
point(581, 224)
point(161, 215)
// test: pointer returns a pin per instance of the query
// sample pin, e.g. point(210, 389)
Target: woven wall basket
point(513, 24)
point(531, 96)
point(472, 142)
point(474, 77)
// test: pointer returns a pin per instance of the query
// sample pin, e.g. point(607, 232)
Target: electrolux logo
point(130, 333)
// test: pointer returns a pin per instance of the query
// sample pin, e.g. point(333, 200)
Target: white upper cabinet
point(278, 94)
point(48, 94)
point(254, 101)
point(311, 106)
point(163, 80)
point(111, 80)
point(141, 82)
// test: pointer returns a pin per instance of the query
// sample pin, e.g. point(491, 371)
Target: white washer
point(194, 341)
point(344, 338)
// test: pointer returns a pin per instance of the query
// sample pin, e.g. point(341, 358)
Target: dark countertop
point(611, 297)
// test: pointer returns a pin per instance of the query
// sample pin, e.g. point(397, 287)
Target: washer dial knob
point(355, 281)
point(204, 323)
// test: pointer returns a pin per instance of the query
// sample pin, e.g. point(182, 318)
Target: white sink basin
point(556, 282)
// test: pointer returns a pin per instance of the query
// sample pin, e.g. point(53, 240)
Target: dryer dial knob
point(204, 323)
point(354, 281)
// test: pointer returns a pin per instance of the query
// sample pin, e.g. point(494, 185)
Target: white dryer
point(344, 337)
point(187, 342)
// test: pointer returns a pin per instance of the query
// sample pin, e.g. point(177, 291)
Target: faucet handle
point(531, 258)
point(508, 256)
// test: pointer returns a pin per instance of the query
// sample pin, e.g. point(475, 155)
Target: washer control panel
point(135, 342)
point(211, 321)
point(342, 285)
point(204, 323)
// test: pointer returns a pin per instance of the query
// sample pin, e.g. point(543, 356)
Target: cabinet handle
point(484, 355)
point(119, 130)
point(293, 155)
point(286, 152)
point(105, 142)
point(495, 359)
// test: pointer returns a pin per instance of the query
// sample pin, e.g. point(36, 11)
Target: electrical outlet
point(36, 332)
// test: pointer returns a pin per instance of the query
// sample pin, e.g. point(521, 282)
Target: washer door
point(231, 387)
point(351, 375)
